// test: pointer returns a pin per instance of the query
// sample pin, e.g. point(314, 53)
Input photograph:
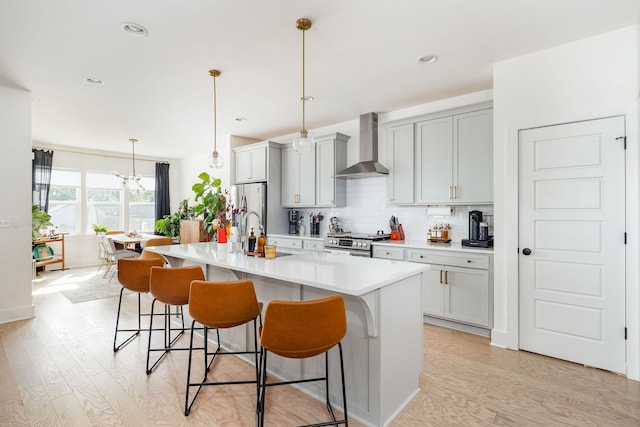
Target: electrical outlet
point(5, 222)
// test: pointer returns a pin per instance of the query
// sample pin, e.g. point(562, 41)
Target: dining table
point(132, 240)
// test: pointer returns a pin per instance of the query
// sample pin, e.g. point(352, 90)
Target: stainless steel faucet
point(243, 233)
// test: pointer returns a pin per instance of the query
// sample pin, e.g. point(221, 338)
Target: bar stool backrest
point(172, 285)
point(134, 274)
point(299, 329)
point(223, 304)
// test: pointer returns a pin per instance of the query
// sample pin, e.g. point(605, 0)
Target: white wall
point(15, 193)
point(591, 78)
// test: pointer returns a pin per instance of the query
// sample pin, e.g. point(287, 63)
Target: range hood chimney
point(368, 164)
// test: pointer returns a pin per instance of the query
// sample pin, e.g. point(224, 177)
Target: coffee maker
point(478, 232)
point(294, 221)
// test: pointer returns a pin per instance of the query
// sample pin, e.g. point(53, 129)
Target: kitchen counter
point(383, 299)
point(423, 244)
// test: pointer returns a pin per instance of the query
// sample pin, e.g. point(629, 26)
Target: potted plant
point(212, 202)
point(39, 220)
point(169, 225)
point(99, 228)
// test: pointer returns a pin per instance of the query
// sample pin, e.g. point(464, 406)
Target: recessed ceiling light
point(94, 81)
point(134, 29)
point(240, 119)
point(428, 59)
point(306, 98)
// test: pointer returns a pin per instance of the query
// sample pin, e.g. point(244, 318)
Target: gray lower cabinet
point(457, 287)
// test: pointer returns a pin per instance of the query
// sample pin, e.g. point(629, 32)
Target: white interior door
point(572, 242)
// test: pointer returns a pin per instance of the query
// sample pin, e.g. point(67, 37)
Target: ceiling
point(361, 56)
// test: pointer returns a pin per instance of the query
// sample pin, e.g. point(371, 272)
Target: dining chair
point(113, 255)
point(156, 241)
point(299, 330)
point(118, 245)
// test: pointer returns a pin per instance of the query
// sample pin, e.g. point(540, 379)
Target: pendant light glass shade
point(303, 143)
point(216, 161)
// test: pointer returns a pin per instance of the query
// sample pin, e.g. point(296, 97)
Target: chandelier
point(303, 143)
point(133, 178)
point(216, 161)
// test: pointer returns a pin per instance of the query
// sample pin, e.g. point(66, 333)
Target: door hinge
point(625, 333)
point(625, 237)
point(624, 138)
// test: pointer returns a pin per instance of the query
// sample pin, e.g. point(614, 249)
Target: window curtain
point(41, 178)
point(163, 204)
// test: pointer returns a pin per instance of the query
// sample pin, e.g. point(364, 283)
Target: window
point(64, 200)
point(119, 207)
point(104, 197)
point(142, 206)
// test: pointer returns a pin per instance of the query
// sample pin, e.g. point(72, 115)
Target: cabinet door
point(325, 168)
point(401, 143)
point(433, 291)
point(290, 174)
point(473, 152)
point(298, 178)
point(434, 160)
point(251, 165)
point(307, 179)
point(243, 166)
point(467, 295)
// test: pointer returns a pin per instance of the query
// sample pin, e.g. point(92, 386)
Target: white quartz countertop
point(298, 236)
point(337, 273)
point(423, 244)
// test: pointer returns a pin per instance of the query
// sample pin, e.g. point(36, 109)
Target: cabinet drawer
point(388, 253)
point(285, 243)
point(453, 259)
point(313, 245)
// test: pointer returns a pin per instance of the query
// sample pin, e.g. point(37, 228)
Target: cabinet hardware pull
point(455, 192)
point(446, 277)
point(440, 276)
point(469, 261)
point(450, 193)
point(421, 256)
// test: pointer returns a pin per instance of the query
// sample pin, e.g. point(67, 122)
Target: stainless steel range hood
point(368, 165)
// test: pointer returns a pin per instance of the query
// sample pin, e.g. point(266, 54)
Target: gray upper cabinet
point(307, 179)
point(298, 178)
point(401, 150)
point(443, 160)
point(331, 158)
point(473, 157)
point(251, 163)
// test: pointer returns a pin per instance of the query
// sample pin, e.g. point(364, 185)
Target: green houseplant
point(169, 225)
point(39, 220)
point(212, 203)
point(99, 228)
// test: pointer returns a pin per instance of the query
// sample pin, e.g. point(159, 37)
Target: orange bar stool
point(221, 305)
point(170, 286)
point(302, 329)
point(133, 275)
point(156, 241)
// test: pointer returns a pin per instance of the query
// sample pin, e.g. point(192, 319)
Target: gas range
point(356, 244)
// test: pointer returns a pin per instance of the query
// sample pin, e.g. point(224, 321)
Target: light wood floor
point(59, 369)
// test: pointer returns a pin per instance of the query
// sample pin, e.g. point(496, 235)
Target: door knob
point(526, 251)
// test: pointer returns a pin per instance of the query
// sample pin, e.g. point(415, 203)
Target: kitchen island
point(383, 346)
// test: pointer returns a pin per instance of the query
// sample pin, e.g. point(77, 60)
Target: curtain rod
point(111, 156)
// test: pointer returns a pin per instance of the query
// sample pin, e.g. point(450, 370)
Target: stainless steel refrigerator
point(250, 200)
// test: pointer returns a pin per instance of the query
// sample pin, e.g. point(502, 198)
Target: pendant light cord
point(304, 129)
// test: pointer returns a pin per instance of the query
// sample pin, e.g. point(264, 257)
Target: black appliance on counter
point(478, 232)
point(352, 243)
point(294, 222)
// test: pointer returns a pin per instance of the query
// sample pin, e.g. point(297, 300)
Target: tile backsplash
point(368, 211)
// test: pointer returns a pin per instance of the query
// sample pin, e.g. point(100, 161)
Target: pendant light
point(216, 161)
point(133, 178)
point(303, 143)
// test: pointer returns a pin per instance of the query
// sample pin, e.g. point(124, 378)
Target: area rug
point(78, 286)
